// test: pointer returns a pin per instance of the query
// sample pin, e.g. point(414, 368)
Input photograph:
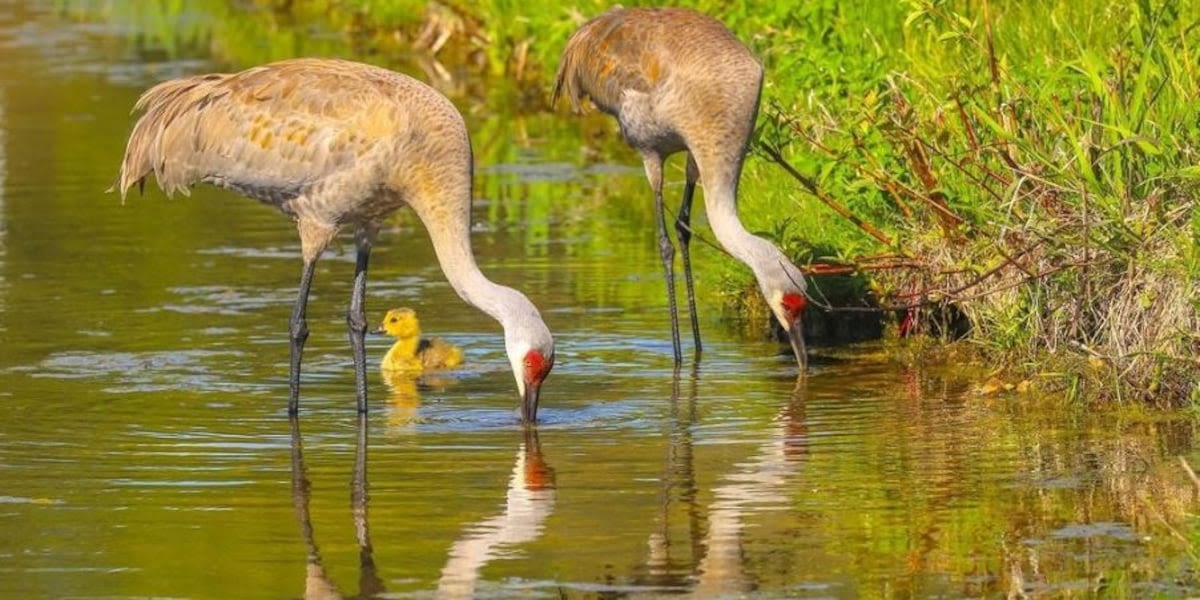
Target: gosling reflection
point(317, 583)
point(411, 364)
point(530, 500)
point(403, 409)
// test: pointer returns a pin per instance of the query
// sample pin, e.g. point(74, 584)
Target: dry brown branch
point(813, 189)
point(1191, 473)
point(918, 161)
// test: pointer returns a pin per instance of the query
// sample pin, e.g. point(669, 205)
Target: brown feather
point(643, 48)
point(274, 132)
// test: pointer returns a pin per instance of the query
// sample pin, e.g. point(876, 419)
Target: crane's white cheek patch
point(516, 357)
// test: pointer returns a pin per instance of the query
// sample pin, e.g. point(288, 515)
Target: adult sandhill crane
point(677, 80)
point(333, 143)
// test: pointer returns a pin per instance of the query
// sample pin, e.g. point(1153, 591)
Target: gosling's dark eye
point(393, 320)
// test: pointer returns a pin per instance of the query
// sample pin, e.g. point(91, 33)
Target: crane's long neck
point(720, 202)
point(450, 231)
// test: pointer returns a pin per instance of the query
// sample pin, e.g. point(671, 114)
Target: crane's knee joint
point(356, 322)
point(665, 249)
point(299, 331)
point(684, 231)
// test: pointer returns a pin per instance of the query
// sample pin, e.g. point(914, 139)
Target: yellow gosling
point(412, 354)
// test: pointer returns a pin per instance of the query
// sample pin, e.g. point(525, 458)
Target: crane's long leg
point(356, 316)
point(369, 583)
point(298, 333)
point(683, 228)
point(653, 164)
point(302, 492)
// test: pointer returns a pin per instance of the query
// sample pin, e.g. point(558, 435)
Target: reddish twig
point(813, 189)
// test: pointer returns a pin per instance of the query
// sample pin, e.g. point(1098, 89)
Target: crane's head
point(530, 349)
point(783, 286)
point(401, 323)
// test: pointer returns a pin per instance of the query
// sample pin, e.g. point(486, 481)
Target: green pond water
point(145, 449)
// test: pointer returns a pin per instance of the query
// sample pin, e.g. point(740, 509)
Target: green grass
point(1031, 162)
point(1039, 163)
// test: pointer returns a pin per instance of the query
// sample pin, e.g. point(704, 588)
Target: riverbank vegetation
point(1020, 176)
point(1031, 167)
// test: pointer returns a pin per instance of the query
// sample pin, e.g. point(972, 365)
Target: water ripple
point(193, 370)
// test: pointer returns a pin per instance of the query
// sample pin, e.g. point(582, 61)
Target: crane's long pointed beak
point(529, 404)
point(796, 337)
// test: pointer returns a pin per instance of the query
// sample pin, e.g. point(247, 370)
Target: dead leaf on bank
point(994, 385)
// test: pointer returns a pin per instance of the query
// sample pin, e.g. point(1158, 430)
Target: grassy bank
point(1030, 166)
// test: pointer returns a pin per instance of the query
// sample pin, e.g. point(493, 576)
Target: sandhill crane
point(332, 143)
point(677, 80)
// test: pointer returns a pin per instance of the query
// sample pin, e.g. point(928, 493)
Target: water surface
point(145, 448)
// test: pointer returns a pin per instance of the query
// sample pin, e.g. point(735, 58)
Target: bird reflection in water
point(530, 500)
point(404, 396)
point(678, 485)
point(756, 485)
point(317, 583)
point(717, 560)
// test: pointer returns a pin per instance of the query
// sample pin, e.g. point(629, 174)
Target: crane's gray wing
point(607, 55)
point(268, 132)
